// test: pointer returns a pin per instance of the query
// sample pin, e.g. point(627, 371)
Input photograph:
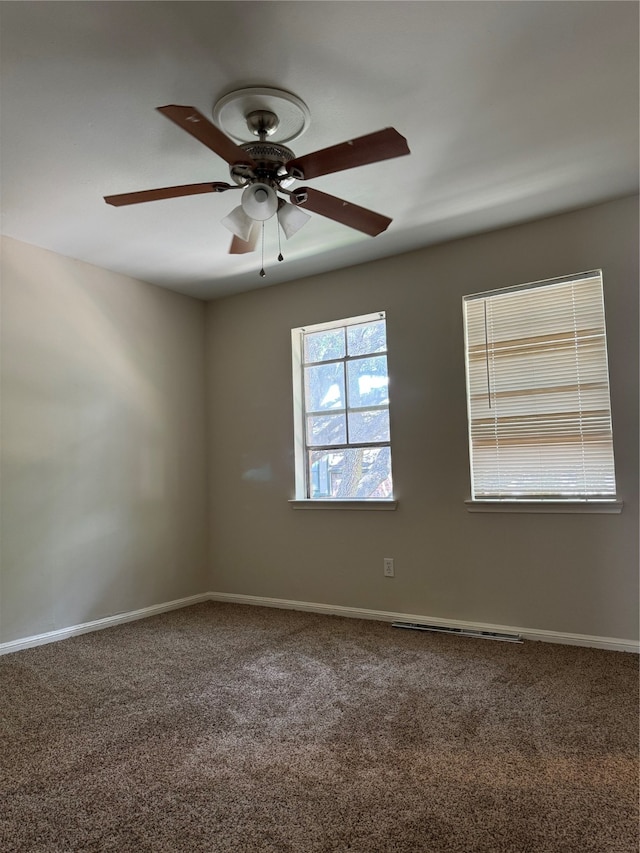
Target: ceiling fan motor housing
point(270, 159)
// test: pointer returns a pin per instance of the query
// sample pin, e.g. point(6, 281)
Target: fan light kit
point(264, 169)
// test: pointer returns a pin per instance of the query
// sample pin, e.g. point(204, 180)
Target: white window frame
point(302, 499)
point(525, 500)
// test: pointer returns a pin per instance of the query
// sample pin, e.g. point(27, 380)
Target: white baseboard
point(99, 624)
point(610, 643)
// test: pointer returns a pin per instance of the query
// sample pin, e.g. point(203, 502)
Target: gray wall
point(571, 573)
point(103, 443)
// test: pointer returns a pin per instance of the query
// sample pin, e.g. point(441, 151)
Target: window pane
point(368, 382)
point(366, 338)
point(341, 399)
point(324, 387)
point(363, 472)
point(322, 346)
point(369, 426)
point(326, 429)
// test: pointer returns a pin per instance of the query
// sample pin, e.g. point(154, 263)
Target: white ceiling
point(512, 110)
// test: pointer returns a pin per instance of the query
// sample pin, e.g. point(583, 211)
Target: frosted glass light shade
point(238, 223)
point(291, 219)
point(259, 201)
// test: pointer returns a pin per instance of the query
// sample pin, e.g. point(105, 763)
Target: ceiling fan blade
point(189, 119)
point(381, 145)
point(335, 208)
point(241, 247)
point(168, 192)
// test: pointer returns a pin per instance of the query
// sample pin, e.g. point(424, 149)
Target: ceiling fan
point(264, 169)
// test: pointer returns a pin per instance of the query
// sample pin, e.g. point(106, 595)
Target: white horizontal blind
point(538, 392)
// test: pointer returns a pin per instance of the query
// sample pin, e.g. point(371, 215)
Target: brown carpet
point(223, 729)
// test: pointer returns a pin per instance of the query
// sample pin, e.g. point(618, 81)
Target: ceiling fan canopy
point(265, 168)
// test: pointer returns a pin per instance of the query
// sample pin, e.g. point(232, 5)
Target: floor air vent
point(462, 632)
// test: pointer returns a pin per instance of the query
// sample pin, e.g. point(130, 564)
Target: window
point(341, 410)
point(538, 392)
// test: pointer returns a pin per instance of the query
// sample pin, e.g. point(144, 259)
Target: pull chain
point(280, 258)
point(280, 255)
point(262, 272)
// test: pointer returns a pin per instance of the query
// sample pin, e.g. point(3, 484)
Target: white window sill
point(545, 506)
point(341, 504)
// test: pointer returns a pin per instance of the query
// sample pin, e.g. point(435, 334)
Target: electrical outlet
point(388, 567)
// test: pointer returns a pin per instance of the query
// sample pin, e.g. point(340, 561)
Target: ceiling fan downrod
point(262, 123)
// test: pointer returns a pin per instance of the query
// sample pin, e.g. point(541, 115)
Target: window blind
point(538, 392)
